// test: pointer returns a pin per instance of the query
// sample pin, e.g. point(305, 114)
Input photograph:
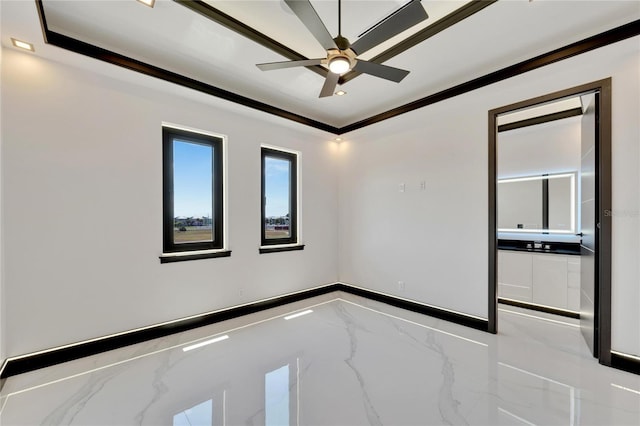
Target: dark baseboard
point(31, 362)
point(420, 308)
point(621, 362)
point(539, 308)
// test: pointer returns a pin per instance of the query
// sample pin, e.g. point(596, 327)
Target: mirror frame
point(574, 211)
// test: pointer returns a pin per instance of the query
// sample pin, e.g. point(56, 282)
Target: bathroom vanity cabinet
point(547, 279)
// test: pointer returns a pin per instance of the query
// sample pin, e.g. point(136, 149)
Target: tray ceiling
point(174, 37)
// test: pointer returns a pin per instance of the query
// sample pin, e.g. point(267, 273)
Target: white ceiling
point(175, 38)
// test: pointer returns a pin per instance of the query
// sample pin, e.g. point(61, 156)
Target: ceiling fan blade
point(289, 64)
point(309, 17)
point(379, 70)
point(402, 19)
point(330, 84)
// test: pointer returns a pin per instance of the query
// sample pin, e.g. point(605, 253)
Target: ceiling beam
point(243, 29)
point(614, 35)
point(440, 25)
point(227, 21)
point(96, 52)
point(606, 38)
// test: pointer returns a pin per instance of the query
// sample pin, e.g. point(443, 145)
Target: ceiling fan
point(342, 56)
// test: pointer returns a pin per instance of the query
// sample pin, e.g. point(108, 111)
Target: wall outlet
point(240, 292)
point(401, 187)
point(423, 185)
point(401, 285)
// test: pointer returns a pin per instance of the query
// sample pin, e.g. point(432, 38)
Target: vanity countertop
point(550, 247)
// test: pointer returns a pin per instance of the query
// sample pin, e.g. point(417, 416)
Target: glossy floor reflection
point(348, 361)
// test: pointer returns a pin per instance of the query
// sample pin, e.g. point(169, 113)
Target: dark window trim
point(293, 201)
point(194, 256)
point(169, 134)
point(265, 250)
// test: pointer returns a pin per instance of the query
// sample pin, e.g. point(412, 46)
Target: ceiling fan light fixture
point(339, 65)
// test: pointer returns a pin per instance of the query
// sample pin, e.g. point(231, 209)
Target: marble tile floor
point(350, 361)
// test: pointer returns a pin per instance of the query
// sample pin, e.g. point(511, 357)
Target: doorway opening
point(588, 223)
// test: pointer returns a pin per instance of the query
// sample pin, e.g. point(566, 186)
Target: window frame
point(216, 246)
point(291, 242)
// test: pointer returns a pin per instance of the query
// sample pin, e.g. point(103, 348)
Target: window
point(279, 199)
point(210, 412)
point(277, 387)
point(193, 193)
point(201, 414)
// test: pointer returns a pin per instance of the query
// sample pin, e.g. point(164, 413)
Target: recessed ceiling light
point(22, 44)
point(149, 3)
point(341, 93)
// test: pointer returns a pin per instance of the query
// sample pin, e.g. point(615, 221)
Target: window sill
point(277, 249)
point(184, 256)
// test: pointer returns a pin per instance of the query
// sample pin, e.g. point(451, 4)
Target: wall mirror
point(538, 204)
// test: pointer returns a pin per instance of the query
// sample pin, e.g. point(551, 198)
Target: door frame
point(602, 214)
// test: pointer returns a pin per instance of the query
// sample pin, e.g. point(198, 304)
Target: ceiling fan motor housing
point(342, 43)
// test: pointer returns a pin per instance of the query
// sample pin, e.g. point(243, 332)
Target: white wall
point(626, 200)
point(82, 200)
point(435, 240)
point(552, 147)
point(82, 163)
